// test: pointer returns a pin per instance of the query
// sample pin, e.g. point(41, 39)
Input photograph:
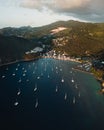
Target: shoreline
point(71, 60)
point(24, 60)
point(82, 71)
point(101, 91)
point(13, 62)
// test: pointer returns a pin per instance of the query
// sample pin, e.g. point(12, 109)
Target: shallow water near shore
point(48, 94)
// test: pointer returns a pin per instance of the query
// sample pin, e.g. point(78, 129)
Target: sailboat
point(76, 86)
point(35, 87)
point(60, 69)
point(71, 72)
point(24, 74)
point(3, 76)
point(7, 68)
point(41, 74)
point(74, 100)
point(33, 72)
point(56, 67)
point(19, 92)
point(62, 80)
point(18, 65)
point(23, 68)
point(13, 74)
point(65, 97)
point(48, 76)
point(16, 69)
point(79, 94)
point(38, 77)
point(16, 103)
point(36, 104)
point(72, 80)
point(52, 69)
point(25, 71)
point(19, 80)
point(56, 88)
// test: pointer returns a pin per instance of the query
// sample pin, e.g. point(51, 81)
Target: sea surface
point(48, 94)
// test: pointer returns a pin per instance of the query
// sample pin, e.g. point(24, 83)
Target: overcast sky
point(18, 13)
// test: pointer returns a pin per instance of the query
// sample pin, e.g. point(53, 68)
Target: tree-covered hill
point(13, 48)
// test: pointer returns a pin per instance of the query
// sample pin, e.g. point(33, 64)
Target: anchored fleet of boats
point(57, 70)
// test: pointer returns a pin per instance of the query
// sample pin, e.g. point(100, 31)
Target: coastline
point(22, 60)
point(64, 59)
point(82, 71)
point(101, 82)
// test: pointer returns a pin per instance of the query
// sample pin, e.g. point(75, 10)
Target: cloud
point(91, 10)
point(31, 4)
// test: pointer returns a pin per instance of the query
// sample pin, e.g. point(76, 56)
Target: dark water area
point(47, 94)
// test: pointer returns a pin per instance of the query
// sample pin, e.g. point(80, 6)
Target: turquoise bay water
point(47, 94)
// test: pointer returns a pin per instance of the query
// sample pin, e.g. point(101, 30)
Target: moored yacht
point(72, 80)
point(16, 69)
point(16, 103)
point(13, 74)
point(62, 80)
point(3, 76)
point(19, 80)
point(24, 74)
point(65, 97)
point(79, 94)
point(36, 104)
point(38, 77)
point(19, 92)
point(56, 89)
point(76, 86)
point(74, 100)
point(35, 87)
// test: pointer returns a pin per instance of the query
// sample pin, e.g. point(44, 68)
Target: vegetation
point(98, 73)
point(13, 48)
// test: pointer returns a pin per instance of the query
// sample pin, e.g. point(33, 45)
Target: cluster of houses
point(56, 55)
point(60, 41)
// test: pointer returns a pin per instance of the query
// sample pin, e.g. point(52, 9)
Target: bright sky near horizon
point(18, 13)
